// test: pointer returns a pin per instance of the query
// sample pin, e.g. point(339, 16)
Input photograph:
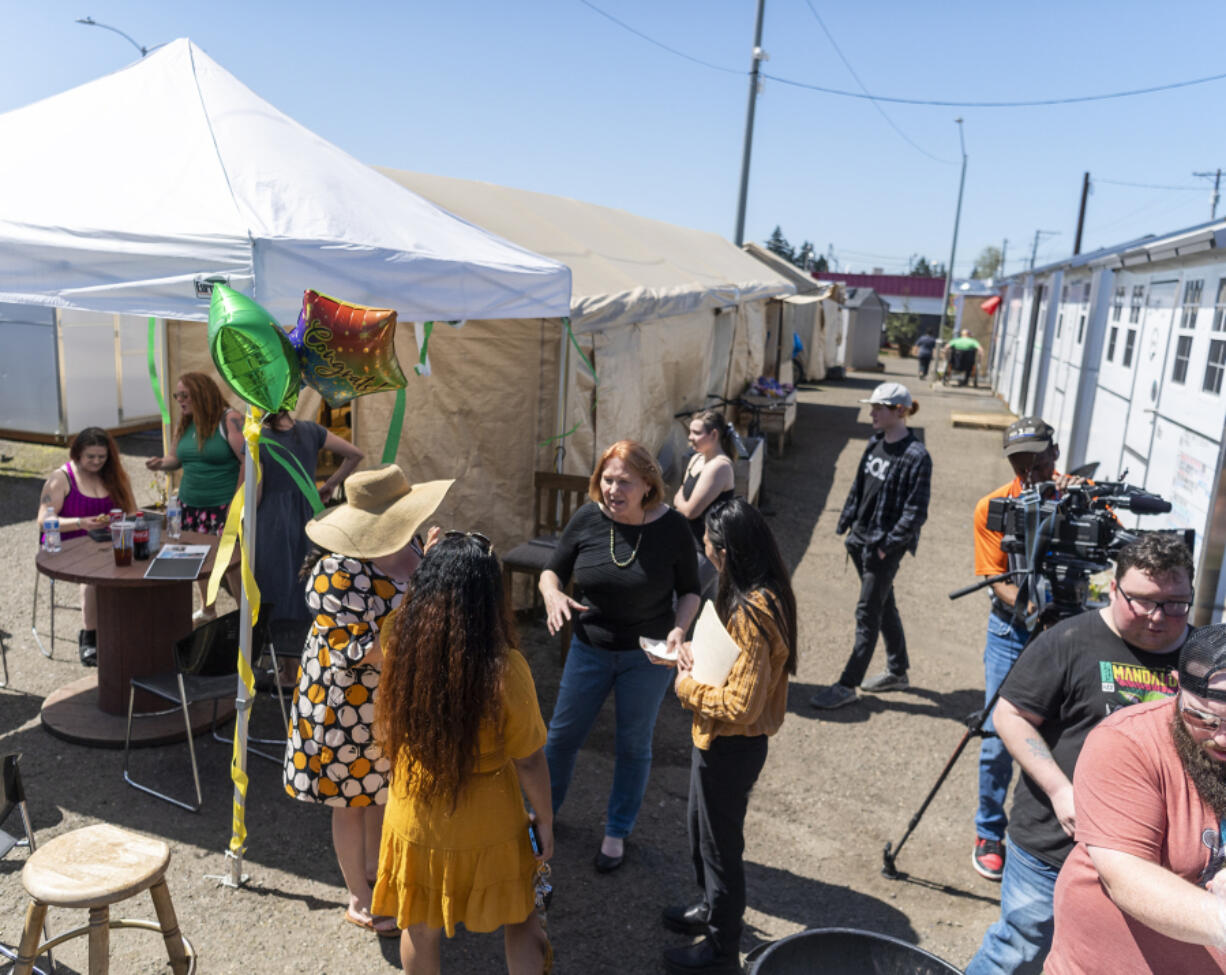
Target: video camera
point(1065, 540)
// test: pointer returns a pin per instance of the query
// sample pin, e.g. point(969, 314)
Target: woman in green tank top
point(209, 449)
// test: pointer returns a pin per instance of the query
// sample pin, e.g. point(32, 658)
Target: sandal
point(382, 925)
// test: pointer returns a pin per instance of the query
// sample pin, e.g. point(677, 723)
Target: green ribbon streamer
point(153, 373)
point(591, 369)
point(394, 426)
point(293, 467)
point(420, 368)
point(561, 436)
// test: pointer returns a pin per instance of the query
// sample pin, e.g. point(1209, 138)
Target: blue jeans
point(1018, 943)
point(638, 687)
point(1005, 642)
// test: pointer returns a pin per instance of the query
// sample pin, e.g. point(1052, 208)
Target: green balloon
point(251, 351)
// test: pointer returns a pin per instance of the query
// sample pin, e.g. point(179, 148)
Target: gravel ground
point(836, 786)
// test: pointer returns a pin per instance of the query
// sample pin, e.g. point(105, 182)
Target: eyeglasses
point(480, 539)
point(182, 396)
point(1146, 607)
point(1198, 719)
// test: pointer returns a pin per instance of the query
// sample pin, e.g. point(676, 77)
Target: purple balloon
point(297, 333)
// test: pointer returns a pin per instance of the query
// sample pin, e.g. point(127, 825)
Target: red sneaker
point(988, 858)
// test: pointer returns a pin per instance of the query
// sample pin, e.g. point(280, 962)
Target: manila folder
point(714, 650)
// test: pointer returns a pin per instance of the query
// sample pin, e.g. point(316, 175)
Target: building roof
point(889, 285)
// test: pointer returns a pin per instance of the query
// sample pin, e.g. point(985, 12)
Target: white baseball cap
point(890, 394)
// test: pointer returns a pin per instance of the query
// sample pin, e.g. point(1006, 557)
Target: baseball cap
point(890, 394)
point(1202, 658)
point(1029, 435)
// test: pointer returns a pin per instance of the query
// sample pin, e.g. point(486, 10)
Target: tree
point(987, 264)
point(821, 264)
point(778, 244)
point(920, 268)
point(805, 254)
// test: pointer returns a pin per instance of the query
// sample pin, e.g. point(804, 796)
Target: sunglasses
point(480, 539)
point(1198, 719)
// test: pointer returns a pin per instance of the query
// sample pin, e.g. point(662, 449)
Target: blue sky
point(548, 95)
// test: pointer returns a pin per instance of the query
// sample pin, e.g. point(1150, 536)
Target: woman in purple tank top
point(81, 493)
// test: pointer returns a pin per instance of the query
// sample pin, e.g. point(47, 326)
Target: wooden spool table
point(139, 621)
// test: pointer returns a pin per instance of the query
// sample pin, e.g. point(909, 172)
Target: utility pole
point(1217, 182)
point(953, 248)
point(1034, 251)
point(1081, 213)
point(758, 57)
point(1004, 249)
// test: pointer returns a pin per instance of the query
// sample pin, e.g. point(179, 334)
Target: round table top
point(84, 560)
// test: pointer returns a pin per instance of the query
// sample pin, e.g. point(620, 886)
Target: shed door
point(1151, 362)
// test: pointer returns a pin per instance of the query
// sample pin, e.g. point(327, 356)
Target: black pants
point(875, 613)
point(924, 362)
point(721, 779)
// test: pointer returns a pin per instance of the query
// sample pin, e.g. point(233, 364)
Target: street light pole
point(1217, 182)
point(90, 22)
point(758, 57)
point(953, 248)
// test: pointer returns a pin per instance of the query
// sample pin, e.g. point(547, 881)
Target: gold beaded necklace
point(633, 554)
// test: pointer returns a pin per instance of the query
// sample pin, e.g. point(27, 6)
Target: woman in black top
point(708, 481)
point(629, 555)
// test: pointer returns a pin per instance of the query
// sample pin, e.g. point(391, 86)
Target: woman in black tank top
point(709, 475)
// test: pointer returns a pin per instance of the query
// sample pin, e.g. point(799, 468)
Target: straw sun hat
point(381, 513)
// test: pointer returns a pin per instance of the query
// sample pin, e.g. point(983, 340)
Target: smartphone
point(534, 839)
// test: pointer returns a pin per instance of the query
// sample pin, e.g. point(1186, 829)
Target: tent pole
point(559, 449)
point(236, 876)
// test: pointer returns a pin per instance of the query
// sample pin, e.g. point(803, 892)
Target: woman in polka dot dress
point(331, 756)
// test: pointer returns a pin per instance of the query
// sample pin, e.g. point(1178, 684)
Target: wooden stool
point(95, 867)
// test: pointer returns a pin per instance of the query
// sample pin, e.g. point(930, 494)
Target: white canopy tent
point(190, 176)
point(187, 173)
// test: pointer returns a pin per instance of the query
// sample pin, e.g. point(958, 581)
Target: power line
point(651, 40)
point(847, 64)
point(1146, 186)
point(1031, 103)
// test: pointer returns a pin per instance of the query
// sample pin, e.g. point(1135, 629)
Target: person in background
point(730, 729)
point(331, 756)
point(883, 513)
point(635, 570)
point(924, 346)
point(1031, 449)
point(1142, 890)
point(281, 543)
point(81, 494)
point(209, 449)
point(964, 357)
point(459, 721)
point(709, 479)
point(1069, 678)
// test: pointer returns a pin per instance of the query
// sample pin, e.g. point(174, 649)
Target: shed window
point(1219, 307)
point(1081, 326)
point(1183, 353)
point(1191, 302)
point(1111, 337)
point(1215, 367)
point(1136, 303)
point(1117, 302)
point(1059, 324)
point(1130, 343)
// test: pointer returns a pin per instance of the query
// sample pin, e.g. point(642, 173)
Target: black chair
point(14, 801)
point(205, 670)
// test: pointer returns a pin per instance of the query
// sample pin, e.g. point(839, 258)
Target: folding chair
point(285, 641)
point(205, 669)
point(14, 801)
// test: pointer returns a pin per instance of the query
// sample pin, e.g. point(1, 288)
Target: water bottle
point(51, 533)
point(174, 517)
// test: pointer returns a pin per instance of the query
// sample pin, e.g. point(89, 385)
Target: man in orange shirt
point(1031, 449)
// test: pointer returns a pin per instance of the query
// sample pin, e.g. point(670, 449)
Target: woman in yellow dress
point(458, 718)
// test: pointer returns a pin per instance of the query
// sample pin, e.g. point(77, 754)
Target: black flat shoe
point(87, 649)
point(688, 919)
point(607, 864)
point(703, 956)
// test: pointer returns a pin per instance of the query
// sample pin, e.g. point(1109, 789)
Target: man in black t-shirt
point(1069, 679)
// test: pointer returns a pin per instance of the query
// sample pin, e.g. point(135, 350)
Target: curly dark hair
point(444, 665)
point(1156, 554)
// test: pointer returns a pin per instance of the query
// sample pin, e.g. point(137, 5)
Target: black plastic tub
point(845, 951)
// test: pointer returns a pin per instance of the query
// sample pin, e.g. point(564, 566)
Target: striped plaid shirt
point(902, 501)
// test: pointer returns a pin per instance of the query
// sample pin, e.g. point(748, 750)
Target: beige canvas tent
point(664, 314)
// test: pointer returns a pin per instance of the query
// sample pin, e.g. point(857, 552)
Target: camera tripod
point(1047, 617)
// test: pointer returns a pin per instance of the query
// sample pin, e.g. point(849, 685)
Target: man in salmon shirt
point(1150, 793)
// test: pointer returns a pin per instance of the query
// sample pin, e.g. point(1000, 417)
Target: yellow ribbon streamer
point(233, 534)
